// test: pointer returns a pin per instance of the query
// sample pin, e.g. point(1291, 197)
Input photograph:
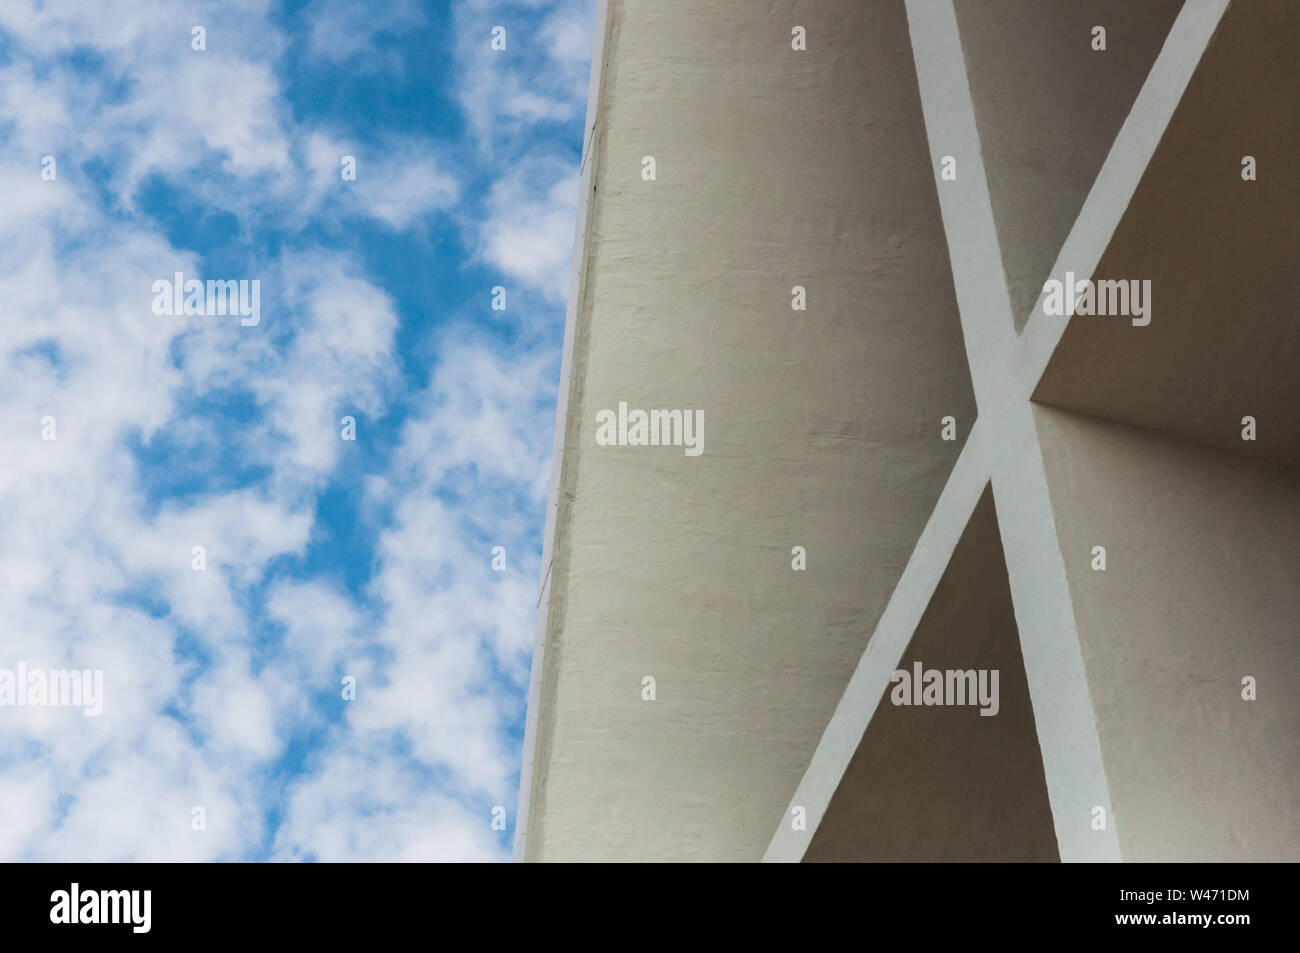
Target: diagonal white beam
point(1004, 443)
point(1119, 176)
point(1040, 592)
point(888, 642)
point(1058, 686)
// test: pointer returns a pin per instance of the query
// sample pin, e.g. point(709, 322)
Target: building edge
point(577, 289)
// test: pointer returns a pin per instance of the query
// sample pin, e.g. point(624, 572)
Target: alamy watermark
point(653, 428)
point(53, 688)
point(1121, 298)
point(952, 686)
point(130, 907)
point(227, 296)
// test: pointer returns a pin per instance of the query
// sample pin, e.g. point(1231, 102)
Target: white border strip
point(577, 276)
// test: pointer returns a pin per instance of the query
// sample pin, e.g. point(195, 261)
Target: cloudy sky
point(325, 558)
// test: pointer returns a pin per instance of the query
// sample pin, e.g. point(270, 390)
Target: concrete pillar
point(818, 234)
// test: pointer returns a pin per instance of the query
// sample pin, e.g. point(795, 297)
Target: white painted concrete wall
point(1201, 588)
point(822, 427)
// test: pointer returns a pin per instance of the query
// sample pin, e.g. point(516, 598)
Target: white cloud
point(83, 544)
point(397, 182)
point(98, 574)
point(528, 233)
point(446, 619)
point(538, 77)
point(365, 806)
point(341, 30)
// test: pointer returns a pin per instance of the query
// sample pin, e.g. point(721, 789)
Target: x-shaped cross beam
point(1002, 446)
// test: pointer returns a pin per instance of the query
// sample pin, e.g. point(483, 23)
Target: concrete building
point(980, 320)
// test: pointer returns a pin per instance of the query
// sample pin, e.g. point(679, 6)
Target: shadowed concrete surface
point(945, 783)
point(1201, 588)
point(821, 427)
point(1224, 338)
point(1048, 108)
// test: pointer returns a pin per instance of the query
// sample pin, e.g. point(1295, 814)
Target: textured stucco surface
point(775, 168)
point(934, 783)
point(1048, 108)
point(1202, 587)
point(1224, 341)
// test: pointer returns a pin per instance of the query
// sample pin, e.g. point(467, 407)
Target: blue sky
point(325, 557)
